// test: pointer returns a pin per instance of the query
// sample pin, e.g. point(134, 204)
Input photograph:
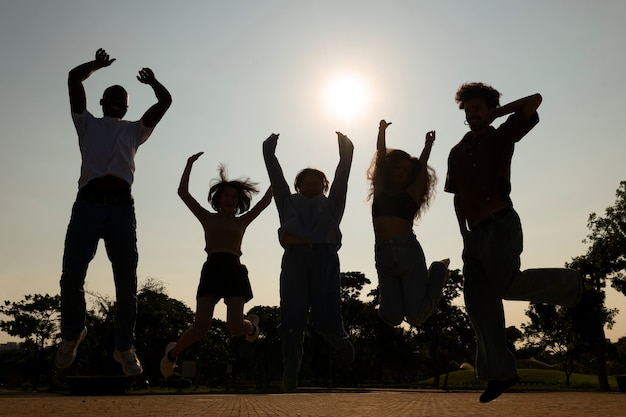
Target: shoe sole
point(120, 360)
point(81, 337)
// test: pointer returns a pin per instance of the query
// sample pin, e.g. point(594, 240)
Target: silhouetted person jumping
point(310, 280)
point(402, 187)
point(223, 275)
point(104, 208)
point(479, 171)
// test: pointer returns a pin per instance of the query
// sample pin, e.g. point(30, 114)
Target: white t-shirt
point(108, 146)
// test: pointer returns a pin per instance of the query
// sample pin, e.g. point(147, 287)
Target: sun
point(346, 95)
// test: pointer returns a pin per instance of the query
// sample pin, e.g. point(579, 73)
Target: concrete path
point(372, 403)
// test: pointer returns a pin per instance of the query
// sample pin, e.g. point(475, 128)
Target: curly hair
point(244, 187)
point(470, 91)
point(311, 171)
point(380, 174)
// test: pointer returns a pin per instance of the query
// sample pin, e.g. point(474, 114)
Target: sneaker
point(254, 319)
point(167, 366)
point(67, 351)
point(128, 359)
point(496, 388)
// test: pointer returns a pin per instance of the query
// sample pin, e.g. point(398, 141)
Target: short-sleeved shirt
point(108, 146)
point(479, 167)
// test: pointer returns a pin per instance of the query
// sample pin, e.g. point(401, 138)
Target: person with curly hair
point(401, 189)
point(479, 176)
point(222, 276)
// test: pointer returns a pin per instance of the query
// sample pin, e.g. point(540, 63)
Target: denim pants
point(492, 273)
point(309, 281)
point(407, 290)
point(115, 224)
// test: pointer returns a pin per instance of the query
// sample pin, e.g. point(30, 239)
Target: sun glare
point(346, 96)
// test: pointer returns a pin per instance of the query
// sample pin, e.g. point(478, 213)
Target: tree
point(591, 315)
point(33, 319)
point(608, 241)
point(550, 332)
point(447, 335)
point(604, 261)
point(160, 320)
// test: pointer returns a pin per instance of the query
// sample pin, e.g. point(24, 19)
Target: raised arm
point(420, 184)
point(428, 146)
point(260, 206)
point(527, 106)
point(339, 187)
point(76, 76)
point(381, 143)
point(280, 188)
point(153, 115)
point(183, 188)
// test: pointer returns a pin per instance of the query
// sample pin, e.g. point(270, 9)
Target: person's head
point(231, 196)
point(114, 101)
point(396, 172)
point(311, 182)
point(479, 102)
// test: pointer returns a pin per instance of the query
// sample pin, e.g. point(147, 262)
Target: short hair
point(114, 89)
point(469, 91)
point(311, 171)
point(244, 187)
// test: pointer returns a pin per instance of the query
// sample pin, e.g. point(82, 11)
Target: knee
point(416, 320)
point(236, 329)
point(390, 319)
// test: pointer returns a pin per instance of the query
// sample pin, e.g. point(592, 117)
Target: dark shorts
point(223, 275)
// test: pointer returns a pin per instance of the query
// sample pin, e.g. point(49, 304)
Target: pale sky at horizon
point(241, 70)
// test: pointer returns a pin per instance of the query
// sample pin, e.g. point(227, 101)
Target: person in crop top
point(223, 276)
point(402, 188)
point(309, 232)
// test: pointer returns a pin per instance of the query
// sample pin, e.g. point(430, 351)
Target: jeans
point(492, 273)
point(115, 224)
point(407, 290)
point(309, 281)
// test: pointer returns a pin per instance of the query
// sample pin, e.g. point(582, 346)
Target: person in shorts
point(223, 276)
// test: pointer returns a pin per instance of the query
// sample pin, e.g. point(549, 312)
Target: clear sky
point(240, 70)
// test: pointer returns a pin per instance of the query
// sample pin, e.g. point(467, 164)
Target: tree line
point(571, 339)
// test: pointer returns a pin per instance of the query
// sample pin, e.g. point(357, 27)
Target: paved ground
point(377, 403)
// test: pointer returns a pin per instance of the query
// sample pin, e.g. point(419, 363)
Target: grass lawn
point(531, 380)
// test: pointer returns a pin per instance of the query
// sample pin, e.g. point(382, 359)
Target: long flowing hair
point(379, 175)
point(244, 187)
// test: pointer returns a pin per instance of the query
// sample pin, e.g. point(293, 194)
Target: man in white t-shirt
point(104, 208)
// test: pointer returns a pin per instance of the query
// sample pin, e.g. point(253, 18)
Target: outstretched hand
point(383, 125)
point(430, 137)
point(146, 76)
point(103, 59)
point(270, 143)
point(194, 158)
point(344, 142)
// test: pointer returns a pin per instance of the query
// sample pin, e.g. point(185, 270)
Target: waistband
point(503, 212)
point(310, 245)
point(403, 238)
point(223, 256)
point(106, 197)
